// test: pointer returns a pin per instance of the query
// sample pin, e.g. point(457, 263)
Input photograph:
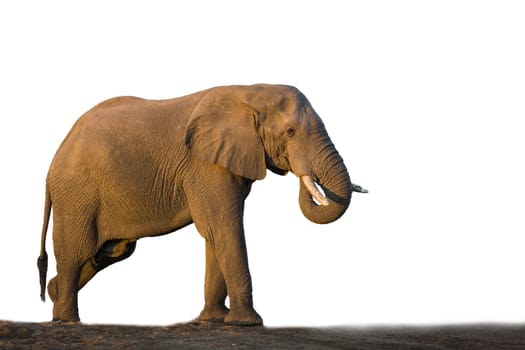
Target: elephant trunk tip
point(359, 189)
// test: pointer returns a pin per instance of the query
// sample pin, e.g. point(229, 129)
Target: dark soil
point(212, 336)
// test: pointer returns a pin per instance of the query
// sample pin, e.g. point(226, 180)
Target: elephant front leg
point(215, 291)
point(230, 248)
point(218, 217)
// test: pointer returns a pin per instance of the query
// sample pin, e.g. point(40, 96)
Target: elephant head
point(250, 129)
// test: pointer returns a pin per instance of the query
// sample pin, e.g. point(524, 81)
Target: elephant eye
point(290, 132)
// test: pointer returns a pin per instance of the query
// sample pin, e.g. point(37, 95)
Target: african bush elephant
point(131, 168)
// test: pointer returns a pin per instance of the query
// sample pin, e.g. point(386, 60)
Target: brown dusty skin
point(212, 336)
point(132, 168)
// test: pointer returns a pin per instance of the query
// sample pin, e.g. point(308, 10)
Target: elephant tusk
point(312, 188)
point(357, 188)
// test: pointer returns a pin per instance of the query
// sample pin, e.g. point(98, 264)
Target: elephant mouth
point(313, 188)
point(317, 192)
point(278, 171)
point(274, 168)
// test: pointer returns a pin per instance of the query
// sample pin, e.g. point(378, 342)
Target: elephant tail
point(42, 259)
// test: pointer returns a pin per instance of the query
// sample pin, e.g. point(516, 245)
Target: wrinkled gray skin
point(132, 168)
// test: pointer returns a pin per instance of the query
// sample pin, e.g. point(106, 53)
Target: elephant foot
point(66, 317)
point(63, 313)
point(213, 314)
point(60, 321)
point(243, 317)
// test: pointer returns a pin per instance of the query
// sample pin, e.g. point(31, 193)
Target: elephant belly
point(133, 223)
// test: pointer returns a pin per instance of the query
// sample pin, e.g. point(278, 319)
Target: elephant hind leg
point(111, 252)
point(52, 289)
point(69, 254)
point(87, 271)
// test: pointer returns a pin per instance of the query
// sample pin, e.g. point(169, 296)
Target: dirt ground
point(212, 336)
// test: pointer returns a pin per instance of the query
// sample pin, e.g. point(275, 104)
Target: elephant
point(131, 168)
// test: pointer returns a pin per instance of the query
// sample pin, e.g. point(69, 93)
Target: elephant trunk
point(331, 176)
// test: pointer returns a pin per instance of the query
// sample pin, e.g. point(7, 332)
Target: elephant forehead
point(307, 119)
point(280, 121)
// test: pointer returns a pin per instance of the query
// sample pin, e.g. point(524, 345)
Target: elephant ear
point(222, 130)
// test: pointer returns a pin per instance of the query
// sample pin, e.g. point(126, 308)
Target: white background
point(423, 99)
